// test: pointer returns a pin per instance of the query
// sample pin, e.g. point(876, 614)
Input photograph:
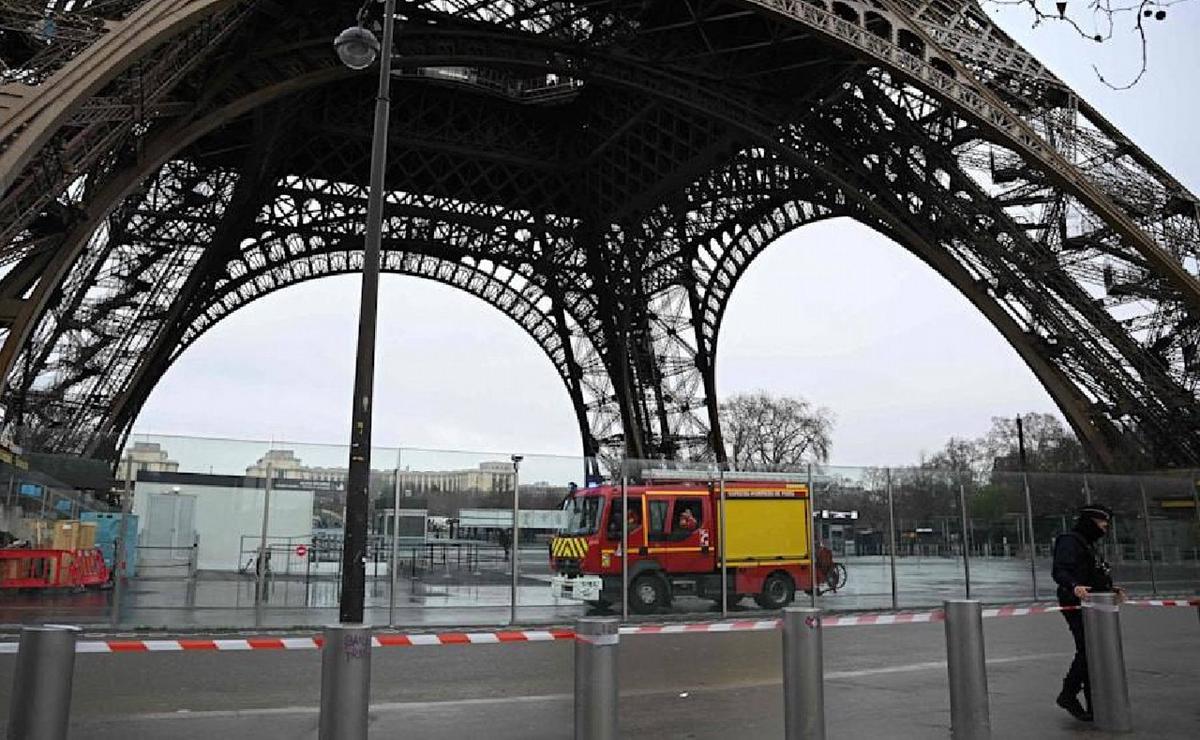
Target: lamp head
point(357, 47)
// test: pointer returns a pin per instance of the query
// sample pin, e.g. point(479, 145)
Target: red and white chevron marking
point(550, 635)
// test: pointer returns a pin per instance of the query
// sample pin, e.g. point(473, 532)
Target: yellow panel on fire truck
point(766, 523)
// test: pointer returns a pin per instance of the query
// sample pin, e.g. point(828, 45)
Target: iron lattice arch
point(603, 173)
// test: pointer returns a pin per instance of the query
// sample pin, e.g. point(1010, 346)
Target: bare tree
point(1099, 21)
point(1049, 446)
point(958, 455)
point(762, 430)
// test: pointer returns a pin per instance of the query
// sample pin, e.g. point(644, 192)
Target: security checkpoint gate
point(170, 527)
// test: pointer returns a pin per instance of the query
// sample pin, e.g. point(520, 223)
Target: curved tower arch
point(626, 161)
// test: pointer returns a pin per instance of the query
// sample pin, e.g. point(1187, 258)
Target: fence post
point(625, 546)
point(1032, 538)
point(966, 538)
point(120, 549)
point(969, 716)
point(345, 682)
point(1149, 538)
point(596, 643)
point(892, 539)
point(721, 541)
point(812, 539)
point(1196, 512)
point(803, 675)
point(260, 567)
point(1106, 663)
point(194, 559)
point(40, 705)
point(395, 546)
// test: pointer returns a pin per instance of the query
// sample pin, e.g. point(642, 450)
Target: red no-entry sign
point(301, 551)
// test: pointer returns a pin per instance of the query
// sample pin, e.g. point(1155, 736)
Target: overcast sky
point(832, 312)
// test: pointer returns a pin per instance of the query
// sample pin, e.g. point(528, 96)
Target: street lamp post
point(358, 48)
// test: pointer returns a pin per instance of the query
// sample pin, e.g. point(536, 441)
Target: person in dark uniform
point(1079, 570)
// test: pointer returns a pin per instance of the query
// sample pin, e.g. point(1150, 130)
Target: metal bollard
point(969, 716)
point(40, 706)
point(596, 640)
point(345, 682)
point(1106, 664)
point(803, 675)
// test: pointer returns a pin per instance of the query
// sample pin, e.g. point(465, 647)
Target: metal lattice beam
point(603, 173)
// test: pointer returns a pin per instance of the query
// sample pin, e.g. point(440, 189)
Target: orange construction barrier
point(24, 568)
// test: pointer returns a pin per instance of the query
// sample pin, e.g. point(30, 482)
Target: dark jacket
point(1076, 563)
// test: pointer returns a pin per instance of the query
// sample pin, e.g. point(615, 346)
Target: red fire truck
point(675, 548)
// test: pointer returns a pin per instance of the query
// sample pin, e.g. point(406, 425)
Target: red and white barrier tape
point(310, 643)
point(549, 635)
point(747, 625)
point(1162, 602)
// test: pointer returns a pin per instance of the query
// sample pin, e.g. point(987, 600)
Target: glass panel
point(441, 545)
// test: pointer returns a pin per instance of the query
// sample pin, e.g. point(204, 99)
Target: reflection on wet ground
point(480, 595)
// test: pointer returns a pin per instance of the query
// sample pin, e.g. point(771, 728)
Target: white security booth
point(220, 513)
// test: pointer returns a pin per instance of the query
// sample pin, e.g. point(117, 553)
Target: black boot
point(1070, 702)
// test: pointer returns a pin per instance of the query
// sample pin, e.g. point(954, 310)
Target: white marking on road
point(909, 667)
point(397, 706)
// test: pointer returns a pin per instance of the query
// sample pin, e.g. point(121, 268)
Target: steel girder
point(603, 173)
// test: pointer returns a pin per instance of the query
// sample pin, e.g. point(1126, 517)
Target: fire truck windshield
point(583, 514)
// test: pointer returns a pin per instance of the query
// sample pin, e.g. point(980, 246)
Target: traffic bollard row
point(40, 706)
point(42, 681)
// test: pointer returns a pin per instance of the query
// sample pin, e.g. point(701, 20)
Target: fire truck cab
point(675, 543)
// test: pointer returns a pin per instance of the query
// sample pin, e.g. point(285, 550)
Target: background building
point(148, 456)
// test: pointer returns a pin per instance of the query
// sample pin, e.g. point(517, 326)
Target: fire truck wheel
point(778, 591)
point(648, 593)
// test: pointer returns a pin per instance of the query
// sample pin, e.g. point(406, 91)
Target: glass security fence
point(227, 533)
point(903, 537)
point(50, 565)
point(250, 533)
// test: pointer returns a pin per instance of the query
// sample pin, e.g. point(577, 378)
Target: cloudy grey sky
point(901, 359)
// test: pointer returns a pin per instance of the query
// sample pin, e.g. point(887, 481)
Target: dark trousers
point(1077, 675)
